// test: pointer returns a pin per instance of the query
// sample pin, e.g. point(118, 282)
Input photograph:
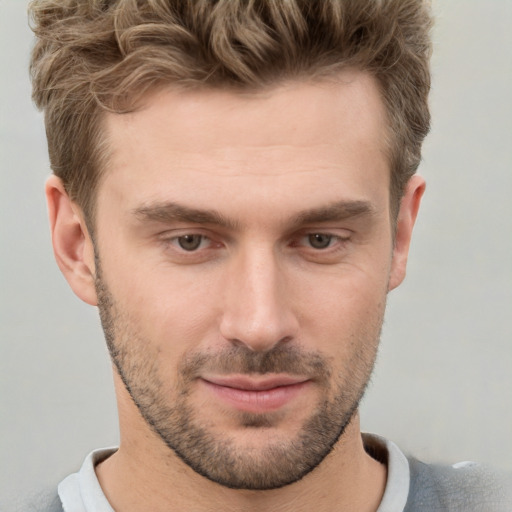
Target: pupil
point(189, 242)
point(319, 240)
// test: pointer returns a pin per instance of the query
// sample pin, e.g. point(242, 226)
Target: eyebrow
point(337, 211)
point(169, 212)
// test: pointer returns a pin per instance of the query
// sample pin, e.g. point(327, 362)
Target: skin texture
point(242, 237)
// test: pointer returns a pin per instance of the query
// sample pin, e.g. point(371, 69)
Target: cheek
point(173, 310)
point(344, 308)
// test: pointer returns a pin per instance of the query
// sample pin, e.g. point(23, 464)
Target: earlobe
point(72, 244)
point(407, 214)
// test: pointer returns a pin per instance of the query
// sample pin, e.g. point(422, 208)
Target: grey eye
point(319, 240)
point(190, 242)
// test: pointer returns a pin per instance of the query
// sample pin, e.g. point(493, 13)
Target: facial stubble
point(219, 458)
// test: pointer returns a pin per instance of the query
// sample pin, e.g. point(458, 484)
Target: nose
point(257, 309)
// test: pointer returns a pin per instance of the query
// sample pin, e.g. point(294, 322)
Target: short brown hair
point(93, 56)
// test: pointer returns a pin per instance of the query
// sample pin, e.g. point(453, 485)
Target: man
point(235, 190)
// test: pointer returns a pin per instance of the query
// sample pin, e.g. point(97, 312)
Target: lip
point(256, 395)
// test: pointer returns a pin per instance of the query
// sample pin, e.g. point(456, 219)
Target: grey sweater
point(432, 489)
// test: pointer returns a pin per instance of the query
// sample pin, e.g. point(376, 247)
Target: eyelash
point(332, 240)
point(336, 243)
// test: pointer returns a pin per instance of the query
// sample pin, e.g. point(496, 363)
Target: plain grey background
point(442, 388)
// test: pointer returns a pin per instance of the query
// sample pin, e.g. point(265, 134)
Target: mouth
point(256, 394)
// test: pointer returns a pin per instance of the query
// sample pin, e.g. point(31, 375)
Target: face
point(243, 257)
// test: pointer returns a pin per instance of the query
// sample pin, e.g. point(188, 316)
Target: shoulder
point(45, 501)
point(462, 487)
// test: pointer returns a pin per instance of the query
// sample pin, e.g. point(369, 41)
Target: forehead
point(349, 99)
point(298, 138)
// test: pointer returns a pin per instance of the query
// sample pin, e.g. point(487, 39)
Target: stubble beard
point(218, 457)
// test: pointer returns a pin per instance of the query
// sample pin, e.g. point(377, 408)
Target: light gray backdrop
point(443, 385)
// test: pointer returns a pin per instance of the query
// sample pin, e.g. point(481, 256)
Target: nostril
point(260, 343)
point(264, 344)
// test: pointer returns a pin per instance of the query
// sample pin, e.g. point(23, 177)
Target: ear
point(72, 244)
point(409, 207)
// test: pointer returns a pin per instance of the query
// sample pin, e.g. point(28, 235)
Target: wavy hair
point(93, 56)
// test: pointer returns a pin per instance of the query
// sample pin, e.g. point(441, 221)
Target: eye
point(190, 242)
point(185, 247)
point(319, 240)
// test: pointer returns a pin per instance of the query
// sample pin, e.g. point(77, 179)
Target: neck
point(145, 475)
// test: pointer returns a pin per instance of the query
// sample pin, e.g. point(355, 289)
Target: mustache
point(240, 359)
